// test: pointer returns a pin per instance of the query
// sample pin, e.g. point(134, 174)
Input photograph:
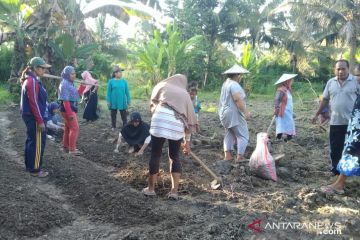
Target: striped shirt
point(165, 125)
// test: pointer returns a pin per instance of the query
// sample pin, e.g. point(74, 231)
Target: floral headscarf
point(67, 89)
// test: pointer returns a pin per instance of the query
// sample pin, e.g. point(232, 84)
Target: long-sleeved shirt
point(33, 99)
point(53, 126)
point(118, 95)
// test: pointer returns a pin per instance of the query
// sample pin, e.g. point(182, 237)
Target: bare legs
point(228, 156)
point(151, 182)
point(340, 182)
point(175, 178)
point(174, 163)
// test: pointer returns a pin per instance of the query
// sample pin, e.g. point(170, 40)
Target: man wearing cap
point(33, 108)
point(233, 113)
point(283, 111)
point(340, 93)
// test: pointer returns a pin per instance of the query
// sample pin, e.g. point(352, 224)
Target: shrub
point(6, 54)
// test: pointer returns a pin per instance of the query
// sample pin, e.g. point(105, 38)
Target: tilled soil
point(97, 196)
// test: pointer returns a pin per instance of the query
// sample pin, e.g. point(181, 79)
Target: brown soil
point(97, 196)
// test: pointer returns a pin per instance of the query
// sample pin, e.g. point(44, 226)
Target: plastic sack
point(261, 163)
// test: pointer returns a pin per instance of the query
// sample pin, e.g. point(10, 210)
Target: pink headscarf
point(89, 80)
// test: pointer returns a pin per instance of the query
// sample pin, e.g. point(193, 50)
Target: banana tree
point(120, 9)
point(13, 17)
point(165, 53)
point(176, 49)
point(150, 58)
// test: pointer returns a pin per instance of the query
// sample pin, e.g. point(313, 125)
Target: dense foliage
point(204, 38)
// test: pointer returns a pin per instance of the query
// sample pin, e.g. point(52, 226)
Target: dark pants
point(34, 145)
point(123, 114)
point(156, 151)
point(90, 113)
point(337, 139)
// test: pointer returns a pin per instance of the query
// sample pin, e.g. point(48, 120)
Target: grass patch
point(5, 96)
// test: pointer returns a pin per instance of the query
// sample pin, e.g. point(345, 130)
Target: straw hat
point(285, 77)
point(236, 69)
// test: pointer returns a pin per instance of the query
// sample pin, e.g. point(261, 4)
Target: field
point(97, 196)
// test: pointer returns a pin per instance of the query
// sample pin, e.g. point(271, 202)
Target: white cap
point(236, 69)
point(285, 77)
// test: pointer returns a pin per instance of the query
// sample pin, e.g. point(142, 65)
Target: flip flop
point(244, 160)
point(146, 192)
point(331, 190)
point(65, 150)
point(40, 174)
point(172, 196)
point(77, 152)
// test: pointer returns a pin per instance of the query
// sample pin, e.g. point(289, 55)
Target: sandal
point(64, 149)
point(39, 174)
point(173, 196)
point(243, 160)
point(331, 190)
point(147, 192)
point(131, 150)
point(77, 152)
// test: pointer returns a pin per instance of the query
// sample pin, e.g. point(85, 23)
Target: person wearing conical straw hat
point(285, 125)
point(233, 113)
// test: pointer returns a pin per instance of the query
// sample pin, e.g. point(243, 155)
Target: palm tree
point(319, 21)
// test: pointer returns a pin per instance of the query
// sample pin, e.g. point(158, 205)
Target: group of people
point(37, 112)
point(233, 112)
point(175, 108)
point(340, 97)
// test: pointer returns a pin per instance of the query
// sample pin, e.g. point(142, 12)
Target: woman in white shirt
point(173, 119)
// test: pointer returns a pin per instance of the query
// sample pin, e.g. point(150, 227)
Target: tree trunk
point(293, 62)
point(352, 45)
point(206, 74)
point(18, 61)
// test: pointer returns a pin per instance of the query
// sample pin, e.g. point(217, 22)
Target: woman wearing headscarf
point(283, 111)
point(69, 97)
point(233, 113)
point(118, 96)
point(90, 94)
point(136, 134)
point(53, 125)
point(33, 109)
point(173, 119)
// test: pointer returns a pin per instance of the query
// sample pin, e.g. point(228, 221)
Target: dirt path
point(97, 196)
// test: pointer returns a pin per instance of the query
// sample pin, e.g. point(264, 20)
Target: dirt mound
point(97, 196)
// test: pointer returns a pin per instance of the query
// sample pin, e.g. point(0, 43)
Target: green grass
point(5, 96)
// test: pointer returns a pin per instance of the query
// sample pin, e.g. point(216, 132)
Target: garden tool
point(271, 123)
point(77, 81)
point(216, 183)
point(278, 156)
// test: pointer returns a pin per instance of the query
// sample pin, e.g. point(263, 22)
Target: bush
point(6, 54)
point(5, 96)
